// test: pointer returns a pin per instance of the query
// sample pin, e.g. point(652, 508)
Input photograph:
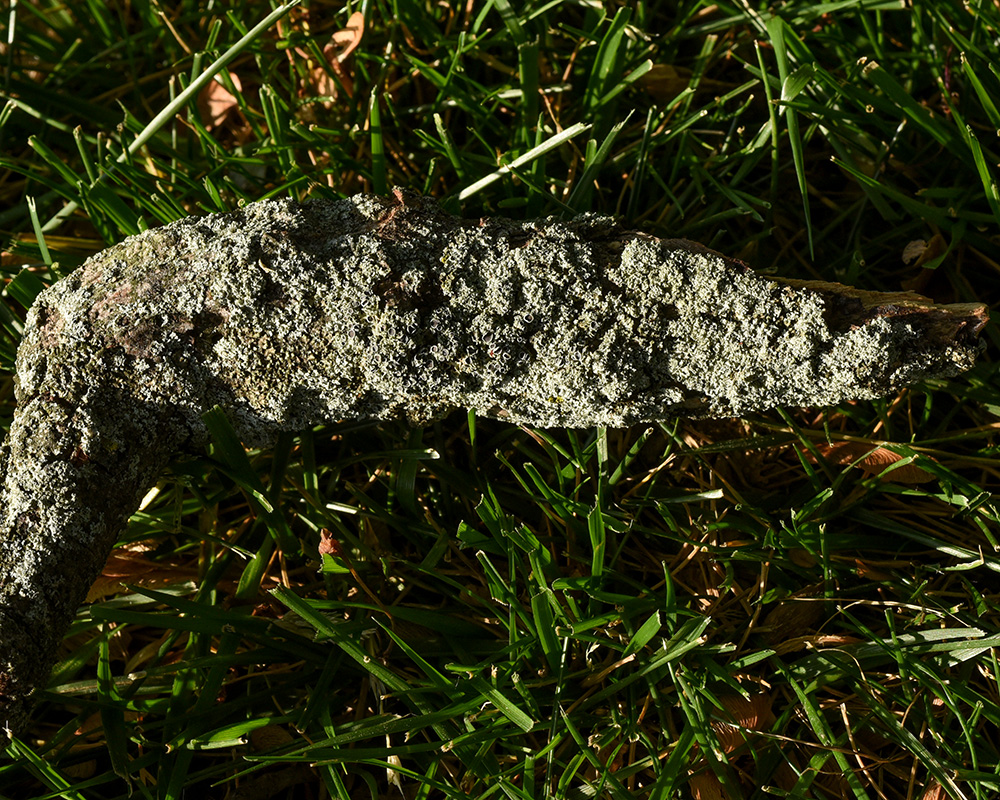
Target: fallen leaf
point(873, 462)
point(745, 714)
point(794, 616)
point(347, 38)
point(665, 81)
point(913, 250)
point(934, 791)
point(328, 545)
point(269, 737)
point(321, 82)
point(216, 102)
point(863, 570)
point(705, 786)
point(920, 251)
point(126, 566)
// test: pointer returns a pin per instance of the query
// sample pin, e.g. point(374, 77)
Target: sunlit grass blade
point(39, 235)
point(379, 182)
point(985, 95)
point(596, 156)
point(328, 628)
point(49, 776)
point(606, 63)
point(902, 102)
point(190, 92)
point(511, 21)
point(536, 152)
point(503, 704)
point(987, 173)
point(236, 465)
point(791, 84)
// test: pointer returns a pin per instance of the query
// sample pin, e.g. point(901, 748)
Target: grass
point(762, 607)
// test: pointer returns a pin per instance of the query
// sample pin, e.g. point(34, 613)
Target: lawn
point(801, 603)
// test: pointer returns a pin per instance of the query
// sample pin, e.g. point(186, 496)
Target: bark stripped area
point(291, 315)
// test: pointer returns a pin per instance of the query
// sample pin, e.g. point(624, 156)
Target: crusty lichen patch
point(289, 315)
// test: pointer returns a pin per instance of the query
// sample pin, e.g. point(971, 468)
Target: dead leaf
point(347, 38)
point(321, 83)
point(748, 713)
point(705, 786)
point(665, 81)
point(128, 566)
point(269, 737)
point(216, 102)
point(913, 250)
point(812, 642)
point(934, 791)
point(920, 252)
point(791, 617)
point(328, 545)
point(80, 771)
point(863, 570)
point(324, 84)
point(873, 462)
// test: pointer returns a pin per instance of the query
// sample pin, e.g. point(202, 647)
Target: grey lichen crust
point(289, 315)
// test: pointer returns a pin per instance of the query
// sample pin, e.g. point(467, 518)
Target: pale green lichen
point(289, 315)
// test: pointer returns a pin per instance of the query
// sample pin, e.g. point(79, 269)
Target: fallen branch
point(288, 316)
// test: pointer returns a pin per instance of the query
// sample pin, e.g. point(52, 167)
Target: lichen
point(290, 315)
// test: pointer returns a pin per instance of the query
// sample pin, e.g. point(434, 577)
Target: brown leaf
point(812, 642)
point(705, 786)
point(336, 51)
point(216, 102)
point(791, 617)
point(268, 737)
point(873, 462)
point(914, 250)
point(324, 84)
point(328, 545)
point(79, 771)
point(863, 570)
point(126, 565)
point(752, 713)
point(665, 81)
point(347, 39)
point(920, 252)
point(934, 791)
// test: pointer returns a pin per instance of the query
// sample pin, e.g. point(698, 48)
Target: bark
point(291, 315)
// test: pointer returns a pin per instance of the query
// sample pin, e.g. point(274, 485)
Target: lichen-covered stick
point(289, 315)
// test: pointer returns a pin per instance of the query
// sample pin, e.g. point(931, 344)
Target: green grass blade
point(903, 102)
point(50, 777)
point(987, 173)
point(985, 95)
point(791, 85)
point(503, 704)
point(380, 183)
point(112, 714)
point(234, 463)
point(168, 112)
point(534, 153)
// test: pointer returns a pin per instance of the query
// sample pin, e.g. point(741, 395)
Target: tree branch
point(288, 316)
